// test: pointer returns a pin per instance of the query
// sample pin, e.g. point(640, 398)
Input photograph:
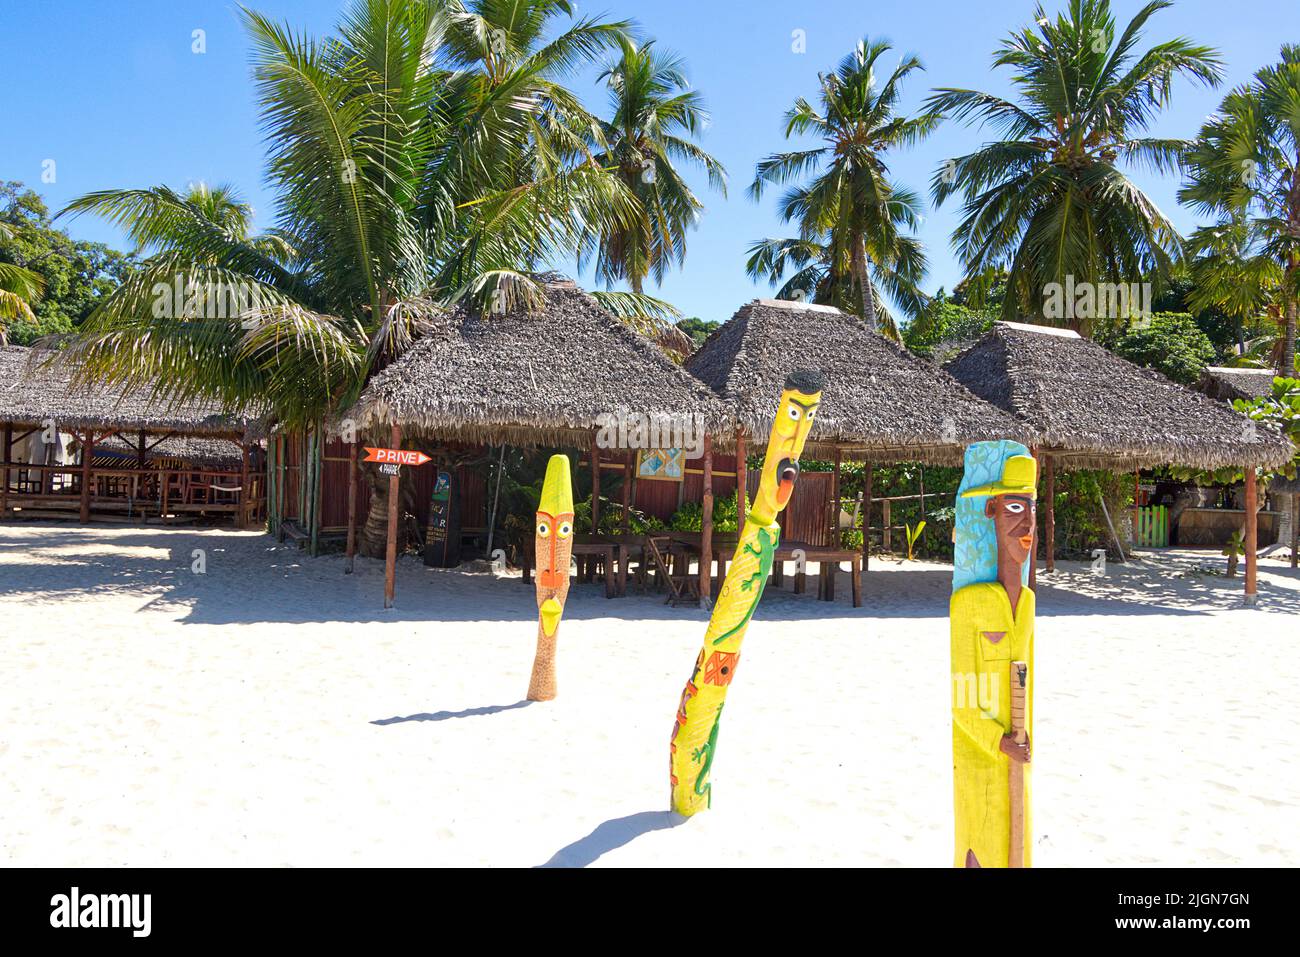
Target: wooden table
point(724, 547)
point(614, 549)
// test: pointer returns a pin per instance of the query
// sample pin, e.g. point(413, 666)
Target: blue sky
point(114, 95)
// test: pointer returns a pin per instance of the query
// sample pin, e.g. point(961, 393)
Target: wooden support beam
point(1049, 513)
point(835, 503)
point(1252, 533)
point(595, 485)
point(742, 479)
point(390, 555)
point(8, 456)
point(886, 542)
point(244, 477)
point(87, 453)
point(866, 515)
point(627, 496)
point(141, 455)
point(706, 527)
point(1295, 529)
point(352, 507)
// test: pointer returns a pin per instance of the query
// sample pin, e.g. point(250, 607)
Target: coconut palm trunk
point(863, 282)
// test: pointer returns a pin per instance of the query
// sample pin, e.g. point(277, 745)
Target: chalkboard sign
point(442, 536)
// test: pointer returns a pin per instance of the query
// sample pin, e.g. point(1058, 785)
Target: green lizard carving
point(702, 785)
point(763, 551)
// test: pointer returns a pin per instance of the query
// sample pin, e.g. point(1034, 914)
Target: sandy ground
point(269, 712)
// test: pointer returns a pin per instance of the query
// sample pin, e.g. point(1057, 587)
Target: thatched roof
point(194, 450)
point(1093, 409)
point(531, 378)
point(1225, 383)
point(36, 386)
point(881, 402)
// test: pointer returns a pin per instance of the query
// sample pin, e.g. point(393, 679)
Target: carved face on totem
point(795, 414)
point(1014, 521)
point(554, 542)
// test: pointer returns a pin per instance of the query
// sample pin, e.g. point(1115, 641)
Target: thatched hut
point(554, 376)
point(40, 395)
point(881, 403)
point(1091, 409)
point(1226, 383)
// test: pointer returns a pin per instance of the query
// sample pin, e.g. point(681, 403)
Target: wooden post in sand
point(1049, 515)
point(866, 515)
point(1252, 532)
point(1016, 781)
point(352, 507)
point(390, 556)
point(4, 485)
point(595, 486)
point(87, 454)
point(706, 527)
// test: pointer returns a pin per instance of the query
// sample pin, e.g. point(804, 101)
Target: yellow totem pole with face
point(695, 730)
point(992, 645)
point(554, 546)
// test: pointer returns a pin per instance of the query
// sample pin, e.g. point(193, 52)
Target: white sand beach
point(269, 712)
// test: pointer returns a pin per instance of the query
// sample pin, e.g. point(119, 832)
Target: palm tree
point(19, 288)
point(1245, 168)
point(1048, 200)
point(850, 208)
point(653, 117)
point(1230, 270)
point(427, 152)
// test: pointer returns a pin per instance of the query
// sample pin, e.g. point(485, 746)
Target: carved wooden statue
point(554, 546)
point(695, 730)
point(992, 634)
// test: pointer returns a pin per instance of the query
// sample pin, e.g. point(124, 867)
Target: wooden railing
point(160, 493)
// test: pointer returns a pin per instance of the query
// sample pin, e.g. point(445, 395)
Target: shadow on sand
point(448, 715)
point(612, 835)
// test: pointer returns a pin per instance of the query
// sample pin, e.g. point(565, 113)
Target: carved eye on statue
point(794, 412)
point(812, 414)
point(1015, 508)
point(565, 529)
point(544, 529)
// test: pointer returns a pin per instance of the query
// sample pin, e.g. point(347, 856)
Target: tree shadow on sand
point(611, 835)
point(448, 715)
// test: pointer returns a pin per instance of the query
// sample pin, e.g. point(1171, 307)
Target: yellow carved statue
point(553, 547)
point(992, 632)
point(695, 730)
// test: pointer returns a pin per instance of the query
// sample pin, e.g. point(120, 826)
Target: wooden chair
point(682, 589)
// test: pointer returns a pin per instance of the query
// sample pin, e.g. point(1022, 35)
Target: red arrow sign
point(396, 456)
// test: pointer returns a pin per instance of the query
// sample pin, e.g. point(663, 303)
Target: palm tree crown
point(849, 209)
point(1048, 200)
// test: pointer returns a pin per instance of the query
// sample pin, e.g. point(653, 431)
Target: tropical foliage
point(1048, 199)
point(1169, 342)
point(427, 152)
point(854, 223)
point(654, 117)
point(49, 282)
point(1245, 169)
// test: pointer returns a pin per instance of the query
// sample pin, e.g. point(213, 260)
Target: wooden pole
point(87, 453)
point(8, 454)
point(243, 487)
point(352, 507)
point(627, 496)
point(595, 486)
point(390, 556)
point(866, 515)
point(1252, 533)
point(835, 502)
point(1016, 780)
point(1049, 515)
point(1295, 528)
point(742, 479)
point(141, 459)
point(706, 527)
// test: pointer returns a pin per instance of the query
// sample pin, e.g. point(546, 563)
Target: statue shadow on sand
point(448, 715)
point(611, 835)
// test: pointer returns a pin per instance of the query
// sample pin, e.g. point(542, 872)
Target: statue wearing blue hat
point(992, 644)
